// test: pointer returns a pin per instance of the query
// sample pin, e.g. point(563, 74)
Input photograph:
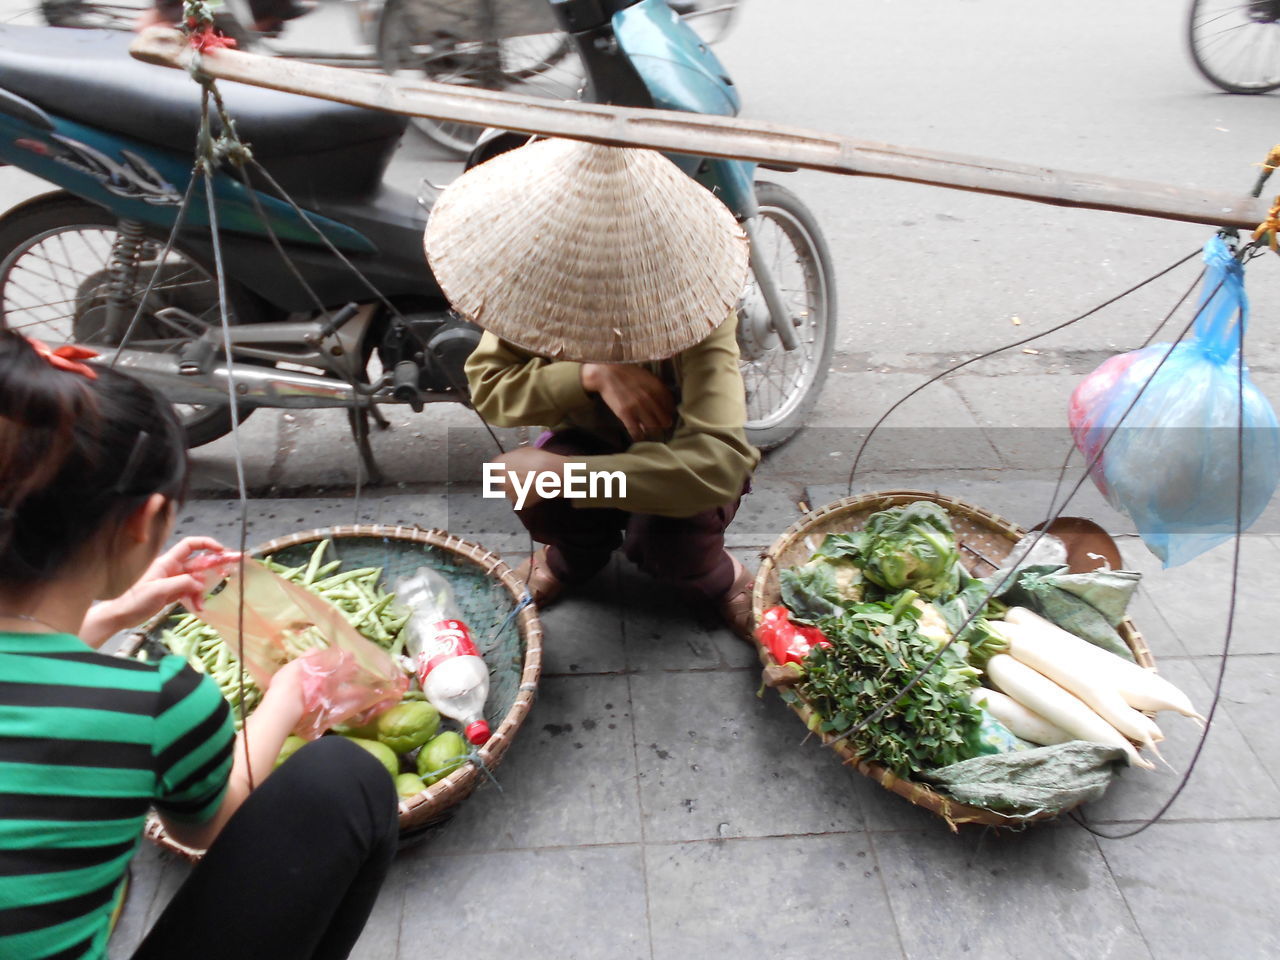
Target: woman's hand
point(180, 574)
point(638, 398)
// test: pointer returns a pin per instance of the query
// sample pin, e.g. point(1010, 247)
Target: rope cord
point(205, 164)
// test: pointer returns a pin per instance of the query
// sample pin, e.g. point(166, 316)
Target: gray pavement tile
point(824, 455)
point(1030, 401)
point(569, 778)
point(1251, 689)
point(1161, 638)
point(1194, 597)
point(1228, 781)
point(582, 633)
point(381, 937)
point(1203, 889)
point(767, 510)
point(715, 761)
point(568, 904)
point(664, 632)
point(776, 898)
point(1045, 892)
point(293, 449)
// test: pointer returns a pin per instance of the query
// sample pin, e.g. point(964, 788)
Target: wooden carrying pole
point(702, 135)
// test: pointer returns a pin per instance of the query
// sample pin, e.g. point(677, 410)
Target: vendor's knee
point(335, 773)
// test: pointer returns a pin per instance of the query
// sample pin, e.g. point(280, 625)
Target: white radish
point(1141, 688)
point(1078, 677)
point(1021, 722)
point(1038, 693)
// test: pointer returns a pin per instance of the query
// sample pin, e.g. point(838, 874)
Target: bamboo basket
point(979, 533)
point(511, 644)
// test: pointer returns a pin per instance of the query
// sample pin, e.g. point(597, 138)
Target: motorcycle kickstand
point(359, 420)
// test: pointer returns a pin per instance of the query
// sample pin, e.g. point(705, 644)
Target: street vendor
point(92, 469)
point(606, 282)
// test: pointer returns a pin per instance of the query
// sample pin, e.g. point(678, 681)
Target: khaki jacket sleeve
point(511, 388)
point(707, 460)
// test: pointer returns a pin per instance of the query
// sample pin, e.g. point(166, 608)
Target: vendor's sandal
point(543, 585)
point(735, 608)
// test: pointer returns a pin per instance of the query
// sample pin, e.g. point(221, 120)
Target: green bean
point(309, 577)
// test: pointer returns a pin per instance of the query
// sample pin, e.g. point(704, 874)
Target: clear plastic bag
point(1172, 464)
point(346, 678)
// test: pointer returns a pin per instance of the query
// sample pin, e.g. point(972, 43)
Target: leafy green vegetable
point(838, 546)
point(876, 648)
point(831, 578)
point(911, 546)
point(810, 592)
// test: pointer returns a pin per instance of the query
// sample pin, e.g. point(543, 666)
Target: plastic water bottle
point(453, 675)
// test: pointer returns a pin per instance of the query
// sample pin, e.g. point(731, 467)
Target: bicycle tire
point(1216, 28)
point(771, 423)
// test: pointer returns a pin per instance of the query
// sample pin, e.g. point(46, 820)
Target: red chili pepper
point(788, 642)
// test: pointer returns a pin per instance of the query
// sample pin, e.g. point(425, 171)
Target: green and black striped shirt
point(88, 743)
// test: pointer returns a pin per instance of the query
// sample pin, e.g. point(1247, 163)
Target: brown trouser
point(687, 552)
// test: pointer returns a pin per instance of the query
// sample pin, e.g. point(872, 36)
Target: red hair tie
point(67, 357)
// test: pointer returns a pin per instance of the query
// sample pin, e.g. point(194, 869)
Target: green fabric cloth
point(88, 743)
point(1033, 781)
point(704, 462)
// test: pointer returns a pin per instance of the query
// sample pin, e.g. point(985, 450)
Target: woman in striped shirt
point(92, 468)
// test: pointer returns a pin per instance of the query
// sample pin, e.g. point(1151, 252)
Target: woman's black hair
point(76, 455)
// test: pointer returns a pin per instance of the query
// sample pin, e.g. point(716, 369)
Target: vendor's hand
point(638, 398)
point(525, 463)
point(180, 574)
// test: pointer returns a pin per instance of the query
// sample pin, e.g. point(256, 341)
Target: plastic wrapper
point(1172, 464)
point(345, 677)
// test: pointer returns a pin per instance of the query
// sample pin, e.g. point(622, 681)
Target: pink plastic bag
point(346, 678)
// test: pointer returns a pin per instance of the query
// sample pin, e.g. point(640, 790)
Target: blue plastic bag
point(1172, 464)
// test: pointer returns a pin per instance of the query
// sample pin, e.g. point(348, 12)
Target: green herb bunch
point(875, 650)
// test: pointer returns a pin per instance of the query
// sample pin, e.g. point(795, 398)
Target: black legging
point(295, 872)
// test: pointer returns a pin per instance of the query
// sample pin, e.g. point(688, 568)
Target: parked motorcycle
point(116, 136)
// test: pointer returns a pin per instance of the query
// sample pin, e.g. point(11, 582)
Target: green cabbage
point(913, 547)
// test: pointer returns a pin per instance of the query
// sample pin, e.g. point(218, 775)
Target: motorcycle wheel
point(1235, 44)
point(55, 271)
point(783, 385)
point(467, 43)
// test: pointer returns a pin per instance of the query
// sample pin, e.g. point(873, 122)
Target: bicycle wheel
point(1236, 45)
point(56, 276)
point(509, 45)
point(89, 15)
point(783, 385)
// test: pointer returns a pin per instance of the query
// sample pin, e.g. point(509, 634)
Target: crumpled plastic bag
point(345, 677)
point(1040, 780)
point(1172, 464)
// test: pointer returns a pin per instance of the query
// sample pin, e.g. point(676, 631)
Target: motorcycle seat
point(89, 77)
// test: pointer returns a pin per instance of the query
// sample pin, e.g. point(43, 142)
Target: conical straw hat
point(582, 252)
